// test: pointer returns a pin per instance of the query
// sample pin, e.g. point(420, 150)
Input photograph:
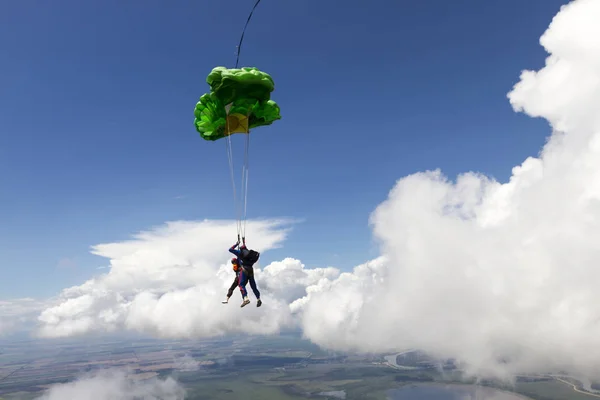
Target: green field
point(358, 382)
point(302, 383)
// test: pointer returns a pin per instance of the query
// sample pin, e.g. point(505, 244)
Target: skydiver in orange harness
point(235, 264)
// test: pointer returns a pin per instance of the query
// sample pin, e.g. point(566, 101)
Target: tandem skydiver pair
point(243, 266)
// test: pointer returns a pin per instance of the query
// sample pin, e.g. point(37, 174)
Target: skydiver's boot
point(258, 303)
point(246, 301)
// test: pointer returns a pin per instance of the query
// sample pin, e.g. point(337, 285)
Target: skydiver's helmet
point(235, 264)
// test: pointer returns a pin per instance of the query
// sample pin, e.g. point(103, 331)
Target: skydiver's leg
point(243, 279)
point(253, 286)
point(231, 288)
point(255, 290)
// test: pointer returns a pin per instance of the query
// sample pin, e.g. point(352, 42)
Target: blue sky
point(97, 138)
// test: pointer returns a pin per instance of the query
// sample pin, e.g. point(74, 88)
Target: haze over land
point(500, 276)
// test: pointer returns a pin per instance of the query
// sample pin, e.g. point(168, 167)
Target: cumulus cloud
point(501, 276)
point(169, 282)
point(288, 279)
point(18, 314)
point(116, 384)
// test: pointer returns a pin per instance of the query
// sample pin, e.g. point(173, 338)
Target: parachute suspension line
point(230, 159)
point(239, 46)
point(231, 171)
point(245, 183)
point(241, 216)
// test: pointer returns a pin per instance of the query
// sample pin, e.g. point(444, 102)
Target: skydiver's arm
point(234, 251)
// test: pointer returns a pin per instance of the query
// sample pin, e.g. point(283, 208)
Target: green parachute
point(239, 100)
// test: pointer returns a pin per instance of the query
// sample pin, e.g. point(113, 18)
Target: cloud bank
point(18, 314)
point(168, 282)
point(500, 276)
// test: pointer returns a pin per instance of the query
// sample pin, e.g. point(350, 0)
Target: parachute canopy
point(239, 100)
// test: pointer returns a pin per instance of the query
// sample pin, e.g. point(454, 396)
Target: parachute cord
point(231, 170)
point(235, 203)
point(245, 183)
point(239, 46)
point(245, 167)
point(243, 195)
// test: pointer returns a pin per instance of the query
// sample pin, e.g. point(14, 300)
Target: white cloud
point(115, 384)
point(287, 280)
point(484, 271)
point(18, 314)
point(170, 282)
